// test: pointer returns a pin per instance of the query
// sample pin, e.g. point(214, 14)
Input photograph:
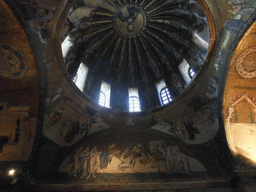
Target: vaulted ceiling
point(55, 137)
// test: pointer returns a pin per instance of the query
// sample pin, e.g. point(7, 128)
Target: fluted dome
point(137, 43)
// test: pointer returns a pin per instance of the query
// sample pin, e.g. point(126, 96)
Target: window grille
point(102, 100)
point(134, 104)
point(165, 96)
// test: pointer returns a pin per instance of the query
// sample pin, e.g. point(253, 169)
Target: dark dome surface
point(137, 43)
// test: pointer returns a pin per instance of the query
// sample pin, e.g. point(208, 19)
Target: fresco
point(62, 127)
point(17, 132)
point(239, 101)
point(195, 122)
point(38, 15)
point(202, 126)
point(172, 148)
point(98, 124)
point(18, 90)
point(240, 125)
point(129, 154)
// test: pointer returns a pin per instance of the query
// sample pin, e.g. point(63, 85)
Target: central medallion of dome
point(129, 20)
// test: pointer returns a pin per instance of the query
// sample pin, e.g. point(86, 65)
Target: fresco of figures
point(194, 131)
point(153, 156)
point(203, 125)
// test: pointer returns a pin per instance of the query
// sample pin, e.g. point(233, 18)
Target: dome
point(135, 47)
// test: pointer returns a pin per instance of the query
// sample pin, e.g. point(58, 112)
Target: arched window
point(102, 100)
point(67, 43)
point(134, 104)
point(105, 92)
point(165, 96)
point(134, 101)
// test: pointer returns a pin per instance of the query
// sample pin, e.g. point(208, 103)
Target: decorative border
point(240, 67)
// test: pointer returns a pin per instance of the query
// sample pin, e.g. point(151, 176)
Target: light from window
point(67, 43)
point(184, 70)
point(191, 72)
point(74, 79)
point(200, 42)
point(165, 96)
point(81, 76)
point(105, 92)
point(102, 100)
point(163, 93)
point(134, 102)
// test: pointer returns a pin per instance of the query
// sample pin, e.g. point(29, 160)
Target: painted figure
point(126, 162)
point(81, 161)
point(106, 156)
point(177, 130)
point(54, 119)
point(85, 157)
point(157, 151)
point(89, 5)
point(175, 162)
point(94, 162)
point(191, 129)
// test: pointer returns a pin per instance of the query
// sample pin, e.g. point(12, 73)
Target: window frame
point(133, 105)
point(166, 91)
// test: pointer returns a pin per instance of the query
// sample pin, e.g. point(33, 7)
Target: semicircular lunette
point(137, 42)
